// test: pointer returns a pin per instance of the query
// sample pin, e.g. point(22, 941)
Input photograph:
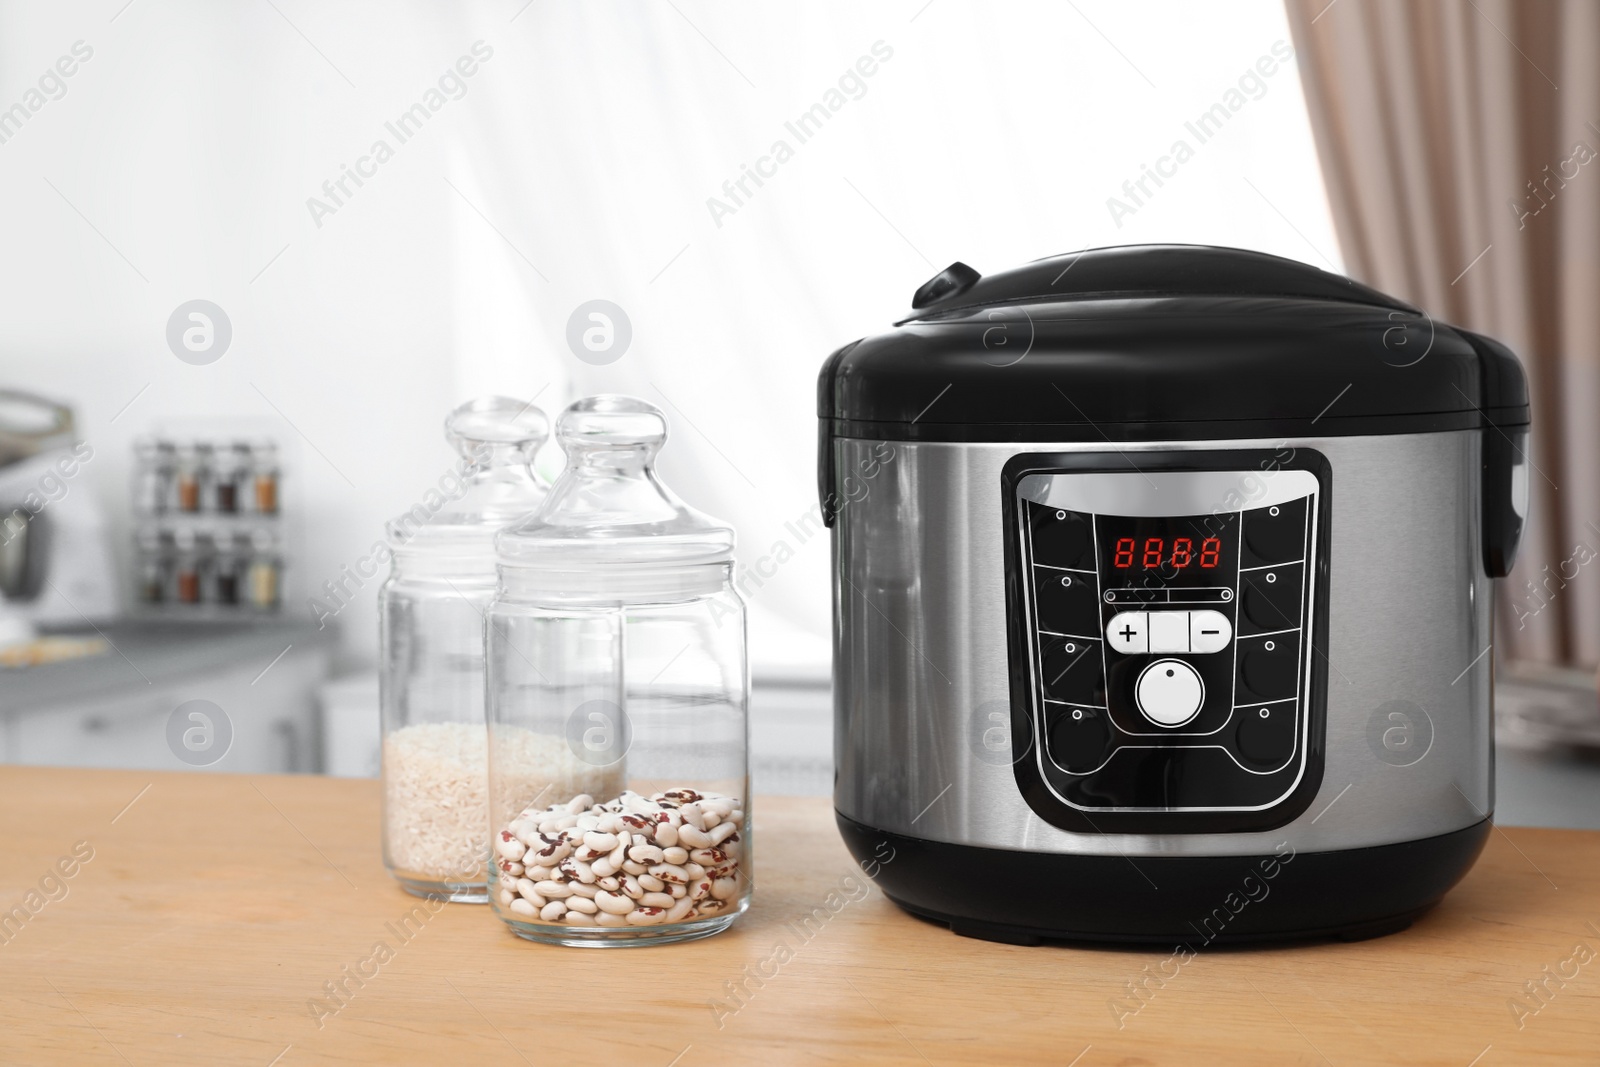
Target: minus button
point(1209, 631)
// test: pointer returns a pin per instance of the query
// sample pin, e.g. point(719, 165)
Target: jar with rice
point(434, 752)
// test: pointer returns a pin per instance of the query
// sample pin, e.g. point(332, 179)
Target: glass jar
point(226, 566)
point(186, 481)
point(618, 696)
point(155, 558)
point(435, 779)
point(264, 474)
point(154, 464)
point(232, 464)
point(265, 573)
point(186, 567)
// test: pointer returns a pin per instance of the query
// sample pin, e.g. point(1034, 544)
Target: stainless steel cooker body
point(930, 729)
point(1162, 597)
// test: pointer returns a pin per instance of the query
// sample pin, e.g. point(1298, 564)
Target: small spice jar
point(186, 567)
point(154, 464)
point(435, 777)
point(618, 694)
point(264, 475)
point(266, 567)
point(226, 567)
point(186, 478)
point(232, 466)
point(154, 557)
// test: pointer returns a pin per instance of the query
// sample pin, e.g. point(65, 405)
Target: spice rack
point(208, 539)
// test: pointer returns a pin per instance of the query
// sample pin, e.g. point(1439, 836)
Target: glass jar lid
point(609, 518)
point(455, 520)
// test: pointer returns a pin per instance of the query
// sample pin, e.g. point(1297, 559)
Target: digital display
point(1169, 550)
point(1154, 553)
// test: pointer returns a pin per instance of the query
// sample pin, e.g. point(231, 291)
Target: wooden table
point(215, 908)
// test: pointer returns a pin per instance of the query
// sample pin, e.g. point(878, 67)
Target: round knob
point(612, 429)
point(1170, 692)
point(479, 425)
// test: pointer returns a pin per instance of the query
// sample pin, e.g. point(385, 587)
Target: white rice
point(436, 795)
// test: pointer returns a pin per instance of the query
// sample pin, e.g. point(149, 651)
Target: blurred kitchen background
point(234, 324)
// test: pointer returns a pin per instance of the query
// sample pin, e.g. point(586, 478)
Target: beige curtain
point(1460, 140)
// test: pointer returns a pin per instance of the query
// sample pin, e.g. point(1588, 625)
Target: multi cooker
point(1162, 599)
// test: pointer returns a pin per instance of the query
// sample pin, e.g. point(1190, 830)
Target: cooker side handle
point(1505, 496)
point(1505, 453)
point(827, 480)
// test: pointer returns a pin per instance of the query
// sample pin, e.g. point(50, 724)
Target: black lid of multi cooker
point(1164, 342)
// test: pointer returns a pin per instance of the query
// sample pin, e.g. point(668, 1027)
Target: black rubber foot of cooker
point(1011, 935)
point(1025, 898)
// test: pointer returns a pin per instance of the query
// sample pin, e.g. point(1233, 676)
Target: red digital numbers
point(1152, 552)
point(1155, 553)
point(1182, 552)
point(1124, 557)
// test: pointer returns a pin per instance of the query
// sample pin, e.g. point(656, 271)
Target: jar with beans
point(617, 641)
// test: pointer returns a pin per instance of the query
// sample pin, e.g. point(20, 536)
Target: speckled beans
point(668, 858)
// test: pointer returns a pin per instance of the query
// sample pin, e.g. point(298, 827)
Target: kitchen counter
point(155, 652)
point(213, 911)
point(116, 709)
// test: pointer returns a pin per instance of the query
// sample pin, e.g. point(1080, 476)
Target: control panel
point(1163, 638)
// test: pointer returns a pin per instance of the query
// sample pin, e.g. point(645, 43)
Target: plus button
point(1129, 632)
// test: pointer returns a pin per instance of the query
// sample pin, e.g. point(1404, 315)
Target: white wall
point(584, 151)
